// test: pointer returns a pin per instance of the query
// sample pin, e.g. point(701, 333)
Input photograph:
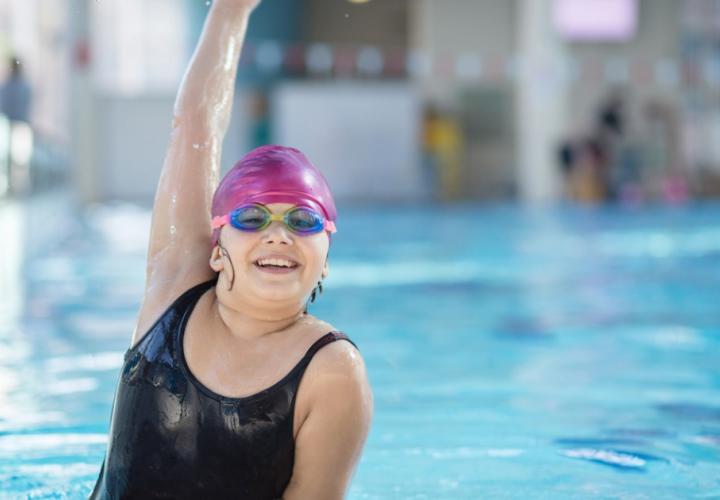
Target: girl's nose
point(277, 231)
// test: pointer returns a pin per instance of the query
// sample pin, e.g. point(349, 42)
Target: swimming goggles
point(256, 217)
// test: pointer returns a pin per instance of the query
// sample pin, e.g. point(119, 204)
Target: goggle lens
point(304, 220)
point(249, 218)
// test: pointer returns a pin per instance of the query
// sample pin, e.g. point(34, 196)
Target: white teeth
point(275, 262)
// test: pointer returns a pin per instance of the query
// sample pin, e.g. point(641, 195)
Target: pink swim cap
point(273, 174)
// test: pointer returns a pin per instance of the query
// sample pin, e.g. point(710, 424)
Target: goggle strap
point(220, 221)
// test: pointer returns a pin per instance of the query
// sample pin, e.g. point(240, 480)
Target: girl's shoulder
point(317, 325)
point(318, 329)
point(338, 357)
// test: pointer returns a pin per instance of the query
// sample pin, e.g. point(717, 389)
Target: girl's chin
point(277, 297)
point(277, 291)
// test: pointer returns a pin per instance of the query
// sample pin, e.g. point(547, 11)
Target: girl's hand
point(248, 5)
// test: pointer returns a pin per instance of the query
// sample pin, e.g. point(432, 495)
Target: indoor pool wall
point(513, 353)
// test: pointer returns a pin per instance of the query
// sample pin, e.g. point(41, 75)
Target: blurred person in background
point(15, 94)
point(668, 178)
point(621, 173)
point(583, 162)
point(16, 151)
point(442, 146)
point(195, 413)
point(605, 164)
point(644, 161)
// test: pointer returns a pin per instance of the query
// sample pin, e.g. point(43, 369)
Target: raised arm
point(180, 233)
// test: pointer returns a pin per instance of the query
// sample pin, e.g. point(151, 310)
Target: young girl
point(230, 389)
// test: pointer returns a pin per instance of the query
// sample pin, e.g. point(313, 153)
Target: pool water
point(513, 352)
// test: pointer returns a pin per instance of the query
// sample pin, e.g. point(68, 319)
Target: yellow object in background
point(443, 141)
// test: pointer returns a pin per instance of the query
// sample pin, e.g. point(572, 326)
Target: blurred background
point(525, 100)
point(528, 251)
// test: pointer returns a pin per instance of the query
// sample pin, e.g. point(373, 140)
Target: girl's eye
point(251, 216)
point(304, 219)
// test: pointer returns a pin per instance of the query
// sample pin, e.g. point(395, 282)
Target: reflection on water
point(10, 259)
point(513, 353)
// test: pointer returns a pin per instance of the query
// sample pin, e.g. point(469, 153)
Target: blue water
point(513, 353)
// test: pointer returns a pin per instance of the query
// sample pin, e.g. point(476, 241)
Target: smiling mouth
point(276, 269)
point(292, 265)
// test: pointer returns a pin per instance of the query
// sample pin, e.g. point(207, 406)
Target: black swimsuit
point(172, 437)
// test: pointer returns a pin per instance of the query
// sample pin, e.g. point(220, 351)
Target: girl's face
point(245, 248)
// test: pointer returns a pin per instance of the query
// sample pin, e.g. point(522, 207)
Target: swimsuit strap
point(326, 339)
point(189, 296)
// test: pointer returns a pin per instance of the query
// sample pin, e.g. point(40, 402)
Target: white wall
point(130, 138)
point(442, 29)
point(132, 134)
point(487, 26)
point(363, 136)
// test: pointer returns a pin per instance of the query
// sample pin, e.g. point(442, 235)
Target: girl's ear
point(216, 259)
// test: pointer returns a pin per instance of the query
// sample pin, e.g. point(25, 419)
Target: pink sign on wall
point(595, 20)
